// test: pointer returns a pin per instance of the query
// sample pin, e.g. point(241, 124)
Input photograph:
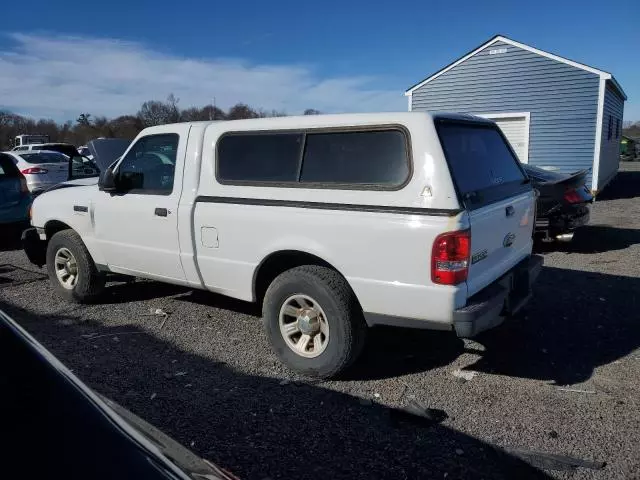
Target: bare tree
point(240, 111)
point(126, 126)
point(154, 112)
point(208, 112)
point(84, 119)
point(311, 111)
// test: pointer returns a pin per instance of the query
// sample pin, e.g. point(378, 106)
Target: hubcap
point(304, 326)
point(66, 268)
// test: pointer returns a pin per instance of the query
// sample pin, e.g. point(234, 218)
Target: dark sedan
point(563, 205)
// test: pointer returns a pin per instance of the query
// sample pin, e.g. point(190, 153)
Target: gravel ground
point(206, 375)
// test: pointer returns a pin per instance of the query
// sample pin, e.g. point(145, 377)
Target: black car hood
point(540, 176)
point(105, 151)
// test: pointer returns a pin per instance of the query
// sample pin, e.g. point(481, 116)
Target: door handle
point(161, 212)
point(510, 211)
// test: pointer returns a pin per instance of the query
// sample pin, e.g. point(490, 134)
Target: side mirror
point(107, 181)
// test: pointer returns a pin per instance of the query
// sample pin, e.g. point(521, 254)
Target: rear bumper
point(564, 222)
point(34, 248)
point(506, 296)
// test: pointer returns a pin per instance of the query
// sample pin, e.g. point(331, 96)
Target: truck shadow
point(391, 352)
point(137, 290)
point(576, 322)
point(594, 239)
point(10, 237)
point(214, 300)
point(626, 184)
point(258, 427)
point(388, 352)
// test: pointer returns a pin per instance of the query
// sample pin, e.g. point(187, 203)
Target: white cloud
point(60, 77)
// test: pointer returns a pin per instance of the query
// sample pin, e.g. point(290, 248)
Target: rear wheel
point(313, 321)
point(71, 270)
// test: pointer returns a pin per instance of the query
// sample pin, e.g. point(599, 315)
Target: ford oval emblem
point(508, 239)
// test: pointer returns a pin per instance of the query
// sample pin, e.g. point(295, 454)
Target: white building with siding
point(557, 113)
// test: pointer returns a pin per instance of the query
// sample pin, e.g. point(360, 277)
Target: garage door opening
point(515, 127)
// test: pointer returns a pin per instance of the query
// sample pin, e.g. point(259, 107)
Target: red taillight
point(450, 257)
point(572, 196)
point(34, 170)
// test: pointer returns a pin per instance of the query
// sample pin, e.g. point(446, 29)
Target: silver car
point(42, 168)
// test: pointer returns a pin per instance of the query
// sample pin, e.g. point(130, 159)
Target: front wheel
point(313, 321)
point(71, 270)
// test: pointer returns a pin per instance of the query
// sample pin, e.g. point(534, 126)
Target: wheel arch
point(280, 261)
point(52, 227)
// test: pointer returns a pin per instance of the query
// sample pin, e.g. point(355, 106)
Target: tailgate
point(496, 193)
point(501, 236)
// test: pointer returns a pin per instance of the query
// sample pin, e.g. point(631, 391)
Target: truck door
point(137, 228)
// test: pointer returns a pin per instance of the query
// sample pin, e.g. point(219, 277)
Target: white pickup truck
point(333, 223)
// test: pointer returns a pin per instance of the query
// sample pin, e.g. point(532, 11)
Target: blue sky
point(331, 55)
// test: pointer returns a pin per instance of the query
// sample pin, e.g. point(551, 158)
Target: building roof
point(500, 38)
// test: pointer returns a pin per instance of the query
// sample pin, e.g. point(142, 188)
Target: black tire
point(347, 328)
point(90, 282)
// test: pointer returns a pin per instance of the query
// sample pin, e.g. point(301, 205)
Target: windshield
point(44, 157)
point(83, 167)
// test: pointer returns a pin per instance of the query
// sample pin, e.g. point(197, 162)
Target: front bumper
point(34, 248)
point(506, 296)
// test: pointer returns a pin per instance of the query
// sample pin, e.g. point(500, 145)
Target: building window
point(610, 131)
point(617, 128)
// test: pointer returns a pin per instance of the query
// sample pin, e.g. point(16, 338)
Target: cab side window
point(149, 166)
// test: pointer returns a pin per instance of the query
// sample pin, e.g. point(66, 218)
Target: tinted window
point(149, 166)
point(251, 157)
point(44, 158)
point(478, 157)
point(7, 167)
point(370, 158)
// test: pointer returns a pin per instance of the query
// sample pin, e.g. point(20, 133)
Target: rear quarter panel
point(386, 258)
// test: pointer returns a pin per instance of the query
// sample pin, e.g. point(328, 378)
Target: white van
point(21, 140)
point(333, 223)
